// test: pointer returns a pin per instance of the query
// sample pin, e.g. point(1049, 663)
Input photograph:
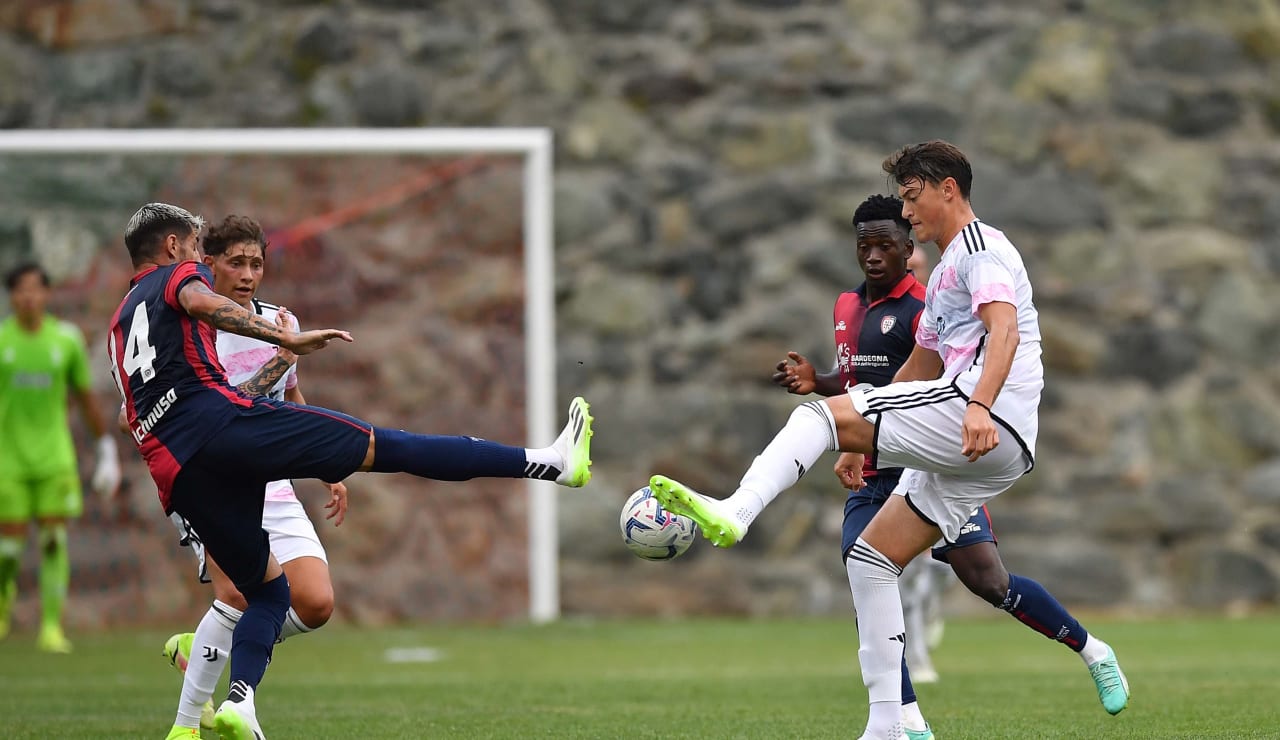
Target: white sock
point(293, 625)
point(1094, 650)
point(873, 579)
point(209, 653)
point(912, 719)
point(544, 456)
point(809, 432)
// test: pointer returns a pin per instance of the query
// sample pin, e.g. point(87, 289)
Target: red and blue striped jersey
point(166, 367)
point(874, 339)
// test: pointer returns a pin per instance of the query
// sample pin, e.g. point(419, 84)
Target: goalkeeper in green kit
point(42, 361)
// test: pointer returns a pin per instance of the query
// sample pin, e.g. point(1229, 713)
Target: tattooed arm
point(267, 376)
point(270, 373)
point(223, 313)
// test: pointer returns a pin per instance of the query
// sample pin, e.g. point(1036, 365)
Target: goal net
point(432, 246)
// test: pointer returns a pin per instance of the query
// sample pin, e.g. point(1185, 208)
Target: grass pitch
point(698, 679)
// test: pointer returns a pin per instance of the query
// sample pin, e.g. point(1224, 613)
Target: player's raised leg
point(567, 461)
point(809, 432)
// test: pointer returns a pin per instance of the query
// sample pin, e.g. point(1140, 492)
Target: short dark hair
point(881, 208)
point(932, 161)
point(22, 270)
point(152, 223)
point(234, 230)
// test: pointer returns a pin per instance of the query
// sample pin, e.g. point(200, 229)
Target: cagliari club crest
point(886, 324)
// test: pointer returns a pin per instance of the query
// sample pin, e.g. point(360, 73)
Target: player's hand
point(306, 342)
point(286, 320)
point(106, 474)
point(979, 434)
point(849, 470)
point(800, 378)
point(337, 504)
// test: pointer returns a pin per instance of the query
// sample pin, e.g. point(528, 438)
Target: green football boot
point(574, 446)
point(238, 720)
point(713, 516)
point(52, 640)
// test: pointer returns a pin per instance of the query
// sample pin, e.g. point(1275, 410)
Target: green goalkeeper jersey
point(36, 372)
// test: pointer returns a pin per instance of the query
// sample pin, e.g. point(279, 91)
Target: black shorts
point(220, 490)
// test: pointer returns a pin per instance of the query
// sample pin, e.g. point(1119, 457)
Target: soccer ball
point(652, 532)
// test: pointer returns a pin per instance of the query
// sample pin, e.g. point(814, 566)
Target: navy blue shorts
point(220, 490)
point(862, 505)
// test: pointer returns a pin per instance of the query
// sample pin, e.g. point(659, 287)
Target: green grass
point(697, 679)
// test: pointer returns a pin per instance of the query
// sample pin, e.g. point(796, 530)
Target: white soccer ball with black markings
point(653, 533)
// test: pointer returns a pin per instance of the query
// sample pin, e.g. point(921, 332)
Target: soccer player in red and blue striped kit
point(193, 429)
point(875, 328)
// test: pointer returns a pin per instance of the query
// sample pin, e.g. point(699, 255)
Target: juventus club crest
point(886, 324)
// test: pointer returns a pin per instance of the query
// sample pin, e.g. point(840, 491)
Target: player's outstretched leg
point(567, 461)
point(809, 432)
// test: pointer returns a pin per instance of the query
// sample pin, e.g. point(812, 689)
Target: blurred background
point(708, 157)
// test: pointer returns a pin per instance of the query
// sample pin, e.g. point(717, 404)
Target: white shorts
point(289, 529)
point(918, 427)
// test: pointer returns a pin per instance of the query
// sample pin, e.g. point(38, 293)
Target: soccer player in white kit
point(235, 251)
point(961, 416)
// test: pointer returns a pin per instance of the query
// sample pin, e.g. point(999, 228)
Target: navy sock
point(256, 632)
point(444, 458)
point(1035, 607)
point(908, 691)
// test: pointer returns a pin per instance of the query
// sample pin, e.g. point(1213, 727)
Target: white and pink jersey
point(981, 266)
point(242, 358)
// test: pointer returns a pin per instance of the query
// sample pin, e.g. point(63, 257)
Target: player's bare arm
point(199, 301)
point(979, 434)
point(921, 364)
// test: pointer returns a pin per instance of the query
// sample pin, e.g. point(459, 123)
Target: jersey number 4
point(138, 352)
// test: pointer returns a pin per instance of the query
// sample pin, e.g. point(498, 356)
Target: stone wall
point(708, 157)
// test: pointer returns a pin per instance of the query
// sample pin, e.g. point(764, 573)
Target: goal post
point(534, 145)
